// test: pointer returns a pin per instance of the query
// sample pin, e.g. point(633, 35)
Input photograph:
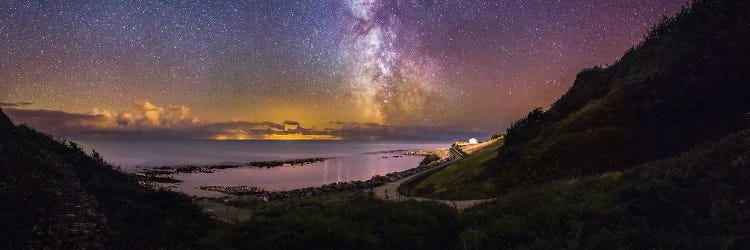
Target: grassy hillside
point(687, 83)
point(52, 194)
point(341, 220)
point(463, 179)
point(698, 200)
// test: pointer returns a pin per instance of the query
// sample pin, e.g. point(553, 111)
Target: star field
point(479, 64)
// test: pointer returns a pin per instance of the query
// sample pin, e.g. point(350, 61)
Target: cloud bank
point(14, 104)
point(176, 123)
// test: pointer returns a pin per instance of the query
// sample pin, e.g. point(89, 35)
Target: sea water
point(349, 160)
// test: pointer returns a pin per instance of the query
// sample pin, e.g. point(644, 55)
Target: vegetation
point(463, 179)
point(346, 220)
point(429, 159)
point(525, 128)
point(74, 200)
point(695, 201)
point(684, 85)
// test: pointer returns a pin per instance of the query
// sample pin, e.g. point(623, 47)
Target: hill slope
point(54, 195)
point(687, 83)
point(449, 183)
point(698, 200)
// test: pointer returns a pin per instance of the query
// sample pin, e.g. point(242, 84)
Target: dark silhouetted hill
point(687, 83)
point(54, 195)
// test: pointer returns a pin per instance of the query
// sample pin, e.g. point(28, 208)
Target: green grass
point(337, 198)
point(340, 220)
point(695, 201)
point(460, 179)
point(549, 216)
point(679, 88)
point(225, 212)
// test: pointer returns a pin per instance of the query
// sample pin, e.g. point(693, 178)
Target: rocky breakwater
point(164, 174)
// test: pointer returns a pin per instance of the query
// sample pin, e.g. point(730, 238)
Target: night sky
point(302, 69)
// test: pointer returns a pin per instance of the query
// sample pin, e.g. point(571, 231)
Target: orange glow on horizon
point(277, 137)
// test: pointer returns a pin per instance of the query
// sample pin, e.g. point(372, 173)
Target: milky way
point(390, 77)
point(471, 64)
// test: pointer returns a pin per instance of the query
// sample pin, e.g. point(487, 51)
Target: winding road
point(389, 191)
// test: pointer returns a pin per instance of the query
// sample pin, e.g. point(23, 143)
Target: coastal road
point(389, 191)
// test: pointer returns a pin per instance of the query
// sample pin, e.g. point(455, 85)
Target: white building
point(473, 141)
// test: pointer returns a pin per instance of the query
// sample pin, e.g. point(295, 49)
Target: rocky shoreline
point(295, 162)
point(251, 193)
point(440, 153)
point(142, 178)
point(161, 172)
